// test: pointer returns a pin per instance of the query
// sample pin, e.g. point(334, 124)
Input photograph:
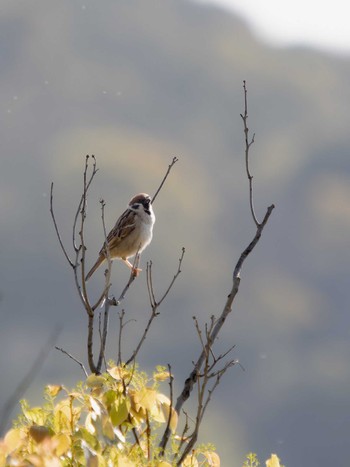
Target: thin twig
point(203, 394)
point(93, 173)
point(27, 380)
point(148, 436)
point(212, 335)
point(190, 381)
point(183, 438)
point(171, 379)
point(173, 162)
point(103, 339)
point(120, 333)
point(107, 301)
point(178, 272)
point(121, 315)
point(82, 240)
point(248, 143)
point(228, 305)
point(132, 277)
point(151, 318)
point(73, 358)
point(81, 249)
point(108, 271)
point(154, 303)
point(56, 228)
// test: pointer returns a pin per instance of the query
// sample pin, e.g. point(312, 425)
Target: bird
point(131, 234)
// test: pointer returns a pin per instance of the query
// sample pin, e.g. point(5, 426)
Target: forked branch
point(154, 303)
point(211, 370)
point(216, 325)
point(77, 263)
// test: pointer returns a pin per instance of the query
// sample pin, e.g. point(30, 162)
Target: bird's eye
point(135, 206)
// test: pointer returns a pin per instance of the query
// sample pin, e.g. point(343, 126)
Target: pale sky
point(319, 23)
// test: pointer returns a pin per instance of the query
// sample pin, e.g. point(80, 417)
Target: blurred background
point(136, 83)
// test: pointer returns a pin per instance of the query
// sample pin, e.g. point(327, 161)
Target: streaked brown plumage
point(131, 234)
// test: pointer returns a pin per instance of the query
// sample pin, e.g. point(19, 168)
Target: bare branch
point(81, 249)
point(132, 277)
point(82, 239)
point(216, 326)
point(107, 302)
point(150, 289)
point(148, 436)
point(204, 394)
point(108, 271)
point(178, 272)
point(154, 303)
point(228, 305)
point(173, 162)
point(252, 244)
point(164, 439)
point(120, 332)
point(73, 358)
point(56, 228)
point(183, 438)
point(103, 339)
point(248, 143)
point(93, 173)
point(90, 343)
point(121, 315)
point(190, 381)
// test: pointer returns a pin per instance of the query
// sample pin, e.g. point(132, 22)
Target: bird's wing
point(123, 227)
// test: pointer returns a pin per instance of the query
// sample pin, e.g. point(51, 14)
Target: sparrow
point(131, 234)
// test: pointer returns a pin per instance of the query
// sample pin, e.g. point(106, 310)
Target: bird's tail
point(94, 267)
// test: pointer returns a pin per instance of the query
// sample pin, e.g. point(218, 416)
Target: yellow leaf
point(88, 438)
point(13, 439)
point(75, 395)
point(35, 415)
point(95, 405)
point(92, 460)
point(213, 458)
point(39, 433)
point(146, 398)
point(109, 397)
point(107, 428)
point(141, 401)
point(160, 411)
point(2, 454)
point(62, 443)
point(163, 464)
point(273, 461)
point(161, 376)
point(125, 462)
point(53, 389)
point(190, 461)
point(119, 373)
point(89, 424)
point(64, 416)
point(95, 381)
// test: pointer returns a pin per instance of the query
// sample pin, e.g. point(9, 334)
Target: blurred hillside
point(136, 83)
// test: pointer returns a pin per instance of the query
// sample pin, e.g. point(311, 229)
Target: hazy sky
point(320, 24)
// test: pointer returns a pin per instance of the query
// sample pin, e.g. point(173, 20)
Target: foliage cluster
point(113, 419)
